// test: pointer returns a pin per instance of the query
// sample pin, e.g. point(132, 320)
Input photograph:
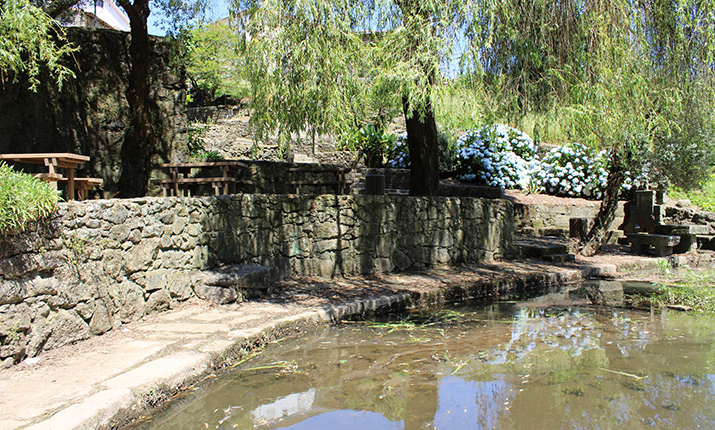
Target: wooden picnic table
point(180, 174)
point(337, 177)
point(54, 161)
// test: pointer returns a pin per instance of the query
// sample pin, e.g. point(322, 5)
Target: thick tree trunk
point(424, 151)
point(140, 139)
point(420, 119)
point(607, 212)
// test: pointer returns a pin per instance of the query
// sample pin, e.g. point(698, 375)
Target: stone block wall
point(100, 263)
point(553, 219)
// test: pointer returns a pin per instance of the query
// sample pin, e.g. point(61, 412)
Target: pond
point(554, 361)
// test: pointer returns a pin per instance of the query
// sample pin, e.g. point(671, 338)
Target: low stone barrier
point(554, 219)
point(101, 263)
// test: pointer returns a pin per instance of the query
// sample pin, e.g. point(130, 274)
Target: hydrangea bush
point(573, 170)
point(497, 155)
point(501, 156)
point(398, 155)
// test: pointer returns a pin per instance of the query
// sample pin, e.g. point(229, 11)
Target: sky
point(218, 10)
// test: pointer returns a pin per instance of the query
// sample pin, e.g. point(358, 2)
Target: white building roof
point(109, 13)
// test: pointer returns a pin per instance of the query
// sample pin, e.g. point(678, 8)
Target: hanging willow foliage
point(623, 75)
point(30, 39)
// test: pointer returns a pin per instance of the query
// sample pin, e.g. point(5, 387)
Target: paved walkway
point(103, 381)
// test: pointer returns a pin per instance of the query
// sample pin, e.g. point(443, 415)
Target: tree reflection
point(503, 366)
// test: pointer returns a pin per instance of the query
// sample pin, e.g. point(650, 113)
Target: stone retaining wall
point(553, 219)
point(100, 263)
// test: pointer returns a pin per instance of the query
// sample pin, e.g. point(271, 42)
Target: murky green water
point(549, 363)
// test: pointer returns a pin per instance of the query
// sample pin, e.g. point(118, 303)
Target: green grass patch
point(23, 199)
point(695, 290)
point(704, 197)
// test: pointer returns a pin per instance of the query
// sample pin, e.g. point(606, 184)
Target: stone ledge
point(235, 283)
point(663, 244)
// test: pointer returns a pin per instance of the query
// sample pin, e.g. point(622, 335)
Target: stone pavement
point(102, 382)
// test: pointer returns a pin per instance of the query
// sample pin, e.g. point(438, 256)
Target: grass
point(460, 108)
point(23, 199)
point(695, 290)
point(704, 197)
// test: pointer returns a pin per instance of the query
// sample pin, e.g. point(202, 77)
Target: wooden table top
point(61, 159)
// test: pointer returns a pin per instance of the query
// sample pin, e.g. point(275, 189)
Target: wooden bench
point(83, 185)
point(50, 177)
point(336, 177)
point(220, 185)
point(181, 179)
point(663, 244)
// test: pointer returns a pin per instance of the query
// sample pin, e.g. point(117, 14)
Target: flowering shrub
point(573, 170)
point(497, 155)
point(501, 156)
point(398, 154)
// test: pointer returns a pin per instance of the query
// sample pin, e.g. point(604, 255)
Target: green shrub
point(703, 197)
point(23, 198)
point(373, 141)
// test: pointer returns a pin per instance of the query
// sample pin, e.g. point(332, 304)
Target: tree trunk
point(140, 139)
point(607, 212)
point(424, 151)
point(420, 119)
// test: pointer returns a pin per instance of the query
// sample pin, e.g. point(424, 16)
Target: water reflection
point(552, 362)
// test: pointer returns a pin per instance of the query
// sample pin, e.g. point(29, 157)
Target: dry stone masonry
point(101, 263)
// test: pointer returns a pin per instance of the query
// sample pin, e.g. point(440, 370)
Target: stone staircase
point(235, 283)
point(539, 248)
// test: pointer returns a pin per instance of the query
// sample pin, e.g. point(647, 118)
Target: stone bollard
point(578, 227)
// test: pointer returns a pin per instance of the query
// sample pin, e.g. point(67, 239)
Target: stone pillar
point(578, 227)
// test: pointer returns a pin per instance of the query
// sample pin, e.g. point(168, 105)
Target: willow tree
point(631, 78)
point(30, 40)
point(319, 67)
point(654, 62)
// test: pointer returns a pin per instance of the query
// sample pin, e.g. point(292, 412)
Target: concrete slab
point(213, 315)
point(37, 390)
point(216, 346)
point(185, 327)
point(182, 314)
point(169, 371)
point(97, 410)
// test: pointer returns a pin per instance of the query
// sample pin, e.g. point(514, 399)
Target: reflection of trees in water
point(536, 368)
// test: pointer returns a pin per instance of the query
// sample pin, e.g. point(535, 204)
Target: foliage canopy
point(212, 61)
point(29, 39)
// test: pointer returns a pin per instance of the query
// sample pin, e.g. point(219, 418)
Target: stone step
point(235, 283)
point(559, 258)
point(541, 250)
point(303, 158)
